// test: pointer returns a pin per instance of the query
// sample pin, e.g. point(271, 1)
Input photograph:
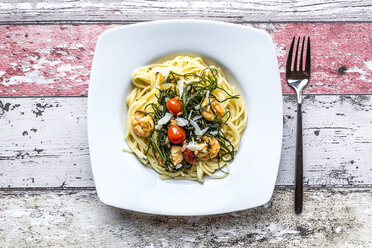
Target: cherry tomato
point(174, 105)
point(189, 156)
point(176, 134)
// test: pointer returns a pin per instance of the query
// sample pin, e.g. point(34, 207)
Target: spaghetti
point(184, 120)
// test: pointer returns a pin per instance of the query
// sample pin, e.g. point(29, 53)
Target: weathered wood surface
point(238, 11)
point(43, 142)
point(331, 218)
point(56, 59)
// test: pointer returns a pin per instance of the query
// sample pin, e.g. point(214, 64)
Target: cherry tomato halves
point(176, 134)
point(174, 105)
point(189, 156)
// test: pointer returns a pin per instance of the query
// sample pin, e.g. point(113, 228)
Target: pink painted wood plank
point(341, 55)
point(56, 59)
point(47, 60)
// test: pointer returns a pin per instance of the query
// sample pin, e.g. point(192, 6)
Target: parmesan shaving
point(198, 131)
point(183, 148)
point(196, 118)
point(192, 146)
point(180, 86)
point(190, 115)
point(181, 121)
point(165, 119)
point(207, 96)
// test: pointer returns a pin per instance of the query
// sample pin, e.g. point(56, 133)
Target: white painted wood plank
point(331, 218)
point(238, 11)
point(337, 136)
point(43, 142)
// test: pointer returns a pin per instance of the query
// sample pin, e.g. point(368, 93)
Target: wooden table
point(47, 194)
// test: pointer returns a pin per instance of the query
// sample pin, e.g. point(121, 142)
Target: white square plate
point(121, 180)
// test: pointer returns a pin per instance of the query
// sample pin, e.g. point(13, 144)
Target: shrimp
point(208, 113)
point(176, 154)
point(142, 124)
point(210, 148)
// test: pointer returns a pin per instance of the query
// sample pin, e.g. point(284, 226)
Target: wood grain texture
point(238, 11)
point(43, 142)
point(56, 60)
point(78, 219)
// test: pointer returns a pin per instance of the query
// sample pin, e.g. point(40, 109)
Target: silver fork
point(298, 78)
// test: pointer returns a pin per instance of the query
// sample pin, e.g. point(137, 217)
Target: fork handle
point(299, 163)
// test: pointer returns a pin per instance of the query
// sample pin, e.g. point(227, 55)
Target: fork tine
point(296, 55)
point(289, 59)
point(302, 53)
point(307, 65)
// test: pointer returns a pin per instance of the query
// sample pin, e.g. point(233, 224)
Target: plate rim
point(101, 196)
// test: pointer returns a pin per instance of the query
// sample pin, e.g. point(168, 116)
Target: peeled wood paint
point(44, 142)
point(56, 59)
point(331, 218)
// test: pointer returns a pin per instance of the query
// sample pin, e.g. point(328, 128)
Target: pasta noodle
point(150, 79)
